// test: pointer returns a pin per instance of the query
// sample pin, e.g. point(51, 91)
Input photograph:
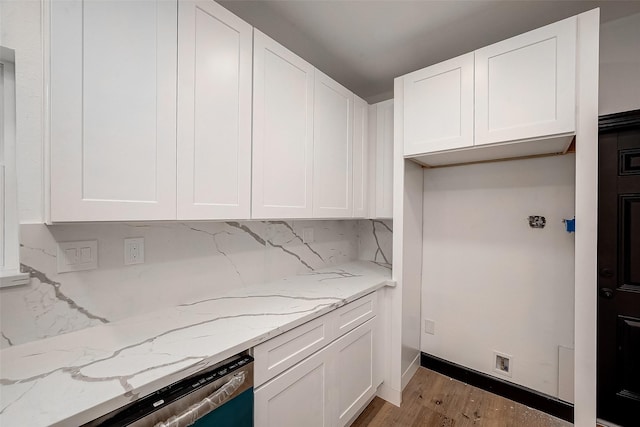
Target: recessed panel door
point(360, 157)
point(282, 132)
point(332, 149)
point(384, 160)
point(297, 397)
point(619, 277)
point(525, 85)
point(113, 110)
point(214, 112)
point(438, 107)
point(354, 372)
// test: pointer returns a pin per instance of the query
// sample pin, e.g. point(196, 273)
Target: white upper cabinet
point(438, 107)
point(515, 98)
point(360, 157)
point(113, 110)
point(332, 149)
point(214, 113)
point(525, 86)
point(282, 132)
point(381, 160)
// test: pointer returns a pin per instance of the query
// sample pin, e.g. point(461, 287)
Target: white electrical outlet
point(307, 235)
point(134, 251)
point(77, 256)
point(503, 363)
point(429, 326)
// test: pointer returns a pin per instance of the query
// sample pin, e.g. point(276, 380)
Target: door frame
point(617, 122)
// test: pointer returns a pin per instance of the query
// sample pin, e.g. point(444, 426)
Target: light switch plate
point(134, 251)
point(77, 256)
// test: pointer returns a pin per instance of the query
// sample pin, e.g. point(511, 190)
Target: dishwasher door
point(221, 396)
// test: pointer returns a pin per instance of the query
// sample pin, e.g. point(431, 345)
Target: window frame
point(10, 274)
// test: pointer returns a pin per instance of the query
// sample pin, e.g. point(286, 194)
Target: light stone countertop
point(73, 378)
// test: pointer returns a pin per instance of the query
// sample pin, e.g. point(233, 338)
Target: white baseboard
point(390, 395)
point(411, 371)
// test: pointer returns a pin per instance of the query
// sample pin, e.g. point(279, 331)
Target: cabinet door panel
point(113, 108)
point(360, 157)
point(525, 86)
point(332, 149)
point(282, 132)
point(298, 397)
point(438, 107)
point(354, 374)
point(214, 113)
point(384, 160)
point(372, 160)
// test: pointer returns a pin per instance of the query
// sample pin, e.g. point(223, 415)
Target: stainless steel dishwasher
point(220, 396)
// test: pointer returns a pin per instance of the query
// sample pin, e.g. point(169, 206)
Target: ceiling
point(364, 44)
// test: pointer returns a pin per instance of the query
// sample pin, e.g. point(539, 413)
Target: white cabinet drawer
point(284, 351)
point(354, 314)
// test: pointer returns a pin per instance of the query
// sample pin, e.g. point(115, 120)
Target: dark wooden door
point(619, 276)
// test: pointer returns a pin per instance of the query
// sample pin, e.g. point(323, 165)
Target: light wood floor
point(433, 400)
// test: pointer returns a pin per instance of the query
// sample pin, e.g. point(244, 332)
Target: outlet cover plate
point(429, 327)
point(134, 251)
point(77, 256)
point(502, 361)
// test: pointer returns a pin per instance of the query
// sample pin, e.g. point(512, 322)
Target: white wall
point(411, 270)
point(490, 282)
point(620, 65)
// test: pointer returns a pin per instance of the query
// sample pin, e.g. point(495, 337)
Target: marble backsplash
point(182, 262)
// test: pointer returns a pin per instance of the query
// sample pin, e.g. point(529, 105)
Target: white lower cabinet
point(297, 397)
point(326, 389)
point(329, 387)
point(353, 365)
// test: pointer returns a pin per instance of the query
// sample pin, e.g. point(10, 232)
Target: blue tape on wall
point(570, 225)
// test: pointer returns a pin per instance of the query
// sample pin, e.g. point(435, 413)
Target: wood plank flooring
point(434, 400)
